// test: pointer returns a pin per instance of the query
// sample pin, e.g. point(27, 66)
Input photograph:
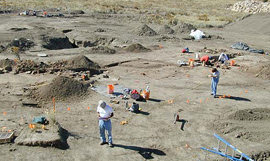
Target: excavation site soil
point(59, 67)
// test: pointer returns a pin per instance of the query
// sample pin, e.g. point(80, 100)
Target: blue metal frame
point(217, 151)
point(222, 154)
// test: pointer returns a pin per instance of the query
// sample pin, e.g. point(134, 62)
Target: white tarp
point(198, 34)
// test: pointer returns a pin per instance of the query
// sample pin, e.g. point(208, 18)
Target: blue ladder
point(224, 154)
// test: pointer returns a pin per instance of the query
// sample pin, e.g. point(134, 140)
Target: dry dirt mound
point(55, 41)
point(165, 29)
point(184, 28)
point(254, 24)
point(61, 88)
point(144, 31)
point(251, 114)
point(261, 70)
point(6, 64)
point(137, 48)
point(103, 49)
point(81, 63)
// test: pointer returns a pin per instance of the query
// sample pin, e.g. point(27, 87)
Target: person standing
point(215, 80)
point(105, 112)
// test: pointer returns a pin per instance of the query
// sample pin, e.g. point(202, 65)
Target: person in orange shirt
point(205, 60)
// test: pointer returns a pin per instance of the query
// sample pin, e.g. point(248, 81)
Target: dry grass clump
point(203, 17)
point(157, 11)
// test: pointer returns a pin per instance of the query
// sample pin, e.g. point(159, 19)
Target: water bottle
point(146, 93)
point(147, 89)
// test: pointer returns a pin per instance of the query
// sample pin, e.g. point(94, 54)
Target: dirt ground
point(242, 119)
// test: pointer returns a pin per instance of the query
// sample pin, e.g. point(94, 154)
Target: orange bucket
point(146, 95)
point(232, 62)
point(110, 89)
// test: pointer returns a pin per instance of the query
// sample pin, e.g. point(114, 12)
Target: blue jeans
point(105, 125)
point(214, 87)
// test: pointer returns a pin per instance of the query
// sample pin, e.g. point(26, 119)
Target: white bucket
point(197, 55)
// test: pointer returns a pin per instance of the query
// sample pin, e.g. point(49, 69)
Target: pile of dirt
point(81, 63)
point(6, 64)
point(56, 41)
point(144, 30)
point(136, 48)
point(212, 51)
point(264, 155)
point(31, 66)
point(75, 64)
point(22, 43)
point(251, 114)
point(261, 70)
point(61, 88)
point(184, 28)
point(103, 49)
point(165, 29)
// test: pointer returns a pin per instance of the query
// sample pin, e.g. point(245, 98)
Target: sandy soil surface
point(242, 119)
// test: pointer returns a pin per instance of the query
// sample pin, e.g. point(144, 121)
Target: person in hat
point(205, 60)
point(214, 82)
point(105, 112)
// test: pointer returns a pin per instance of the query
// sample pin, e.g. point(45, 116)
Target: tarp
point(244, 46)
point(198, 34)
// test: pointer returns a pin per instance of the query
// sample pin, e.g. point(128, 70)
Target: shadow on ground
point(154, 100)
point(144, 113)
point(183, 123)
point(146, 153)
point(236, 98)
point(63, 145)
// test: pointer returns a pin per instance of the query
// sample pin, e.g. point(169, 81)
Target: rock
point(42, 55)
point(105, 76)
point(12, 149)
point(6, 64)
point(77, 12)
point(100, 30)
point(250, 6)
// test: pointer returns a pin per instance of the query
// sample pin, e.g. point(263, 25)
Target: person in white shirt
point(105, 112)
point(223, 58)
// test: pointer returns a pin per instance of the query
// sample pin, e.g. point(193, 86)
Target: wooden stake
point(53, 104)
